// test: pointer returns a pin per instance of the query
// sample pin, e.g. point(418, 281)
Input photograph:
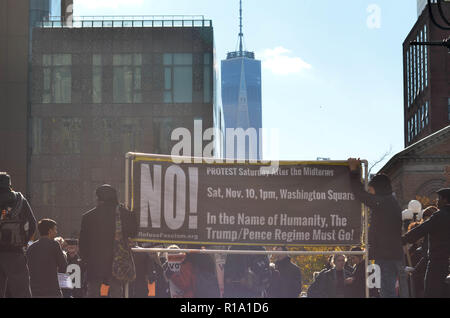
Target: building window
point(416, 131)
point(131, 132)
point(421, 61)
point(448, 109)
point(178, 78)
point(422, 118)
point(415, 72)
point(66, 135)
point(57, 78)
point(37, 136)
point(207, 78)
point(419, 123)
point(162, 130)
point(407, 79)
point(409, 131)
point(127, 86)
point(97, 73)
point(426, 55)
point(426, 113)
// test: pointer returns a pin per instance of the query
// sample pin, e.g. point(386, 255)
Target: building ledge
point(128, 22)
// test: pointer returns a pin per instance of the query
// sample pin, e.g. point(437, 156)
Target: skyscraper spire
point(241, 34)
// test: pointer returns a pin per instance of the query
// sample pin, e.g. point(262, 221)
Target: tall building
point(241, 100)
point(426, 77)
point(103, 88)
point(17, 18)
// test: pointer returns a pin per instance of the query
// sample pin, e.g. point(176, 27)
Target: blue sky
point(332, 82)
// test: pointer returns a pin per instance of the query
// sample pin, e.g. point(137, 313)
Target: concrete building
point(14, 46)
point(103, 88)
point(426, 78)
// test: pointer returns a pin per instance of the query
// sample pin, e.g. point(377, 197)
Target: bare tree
point(381, 159)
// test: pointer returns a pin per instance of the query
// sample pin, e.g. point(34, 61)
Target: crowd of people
point(108, 260)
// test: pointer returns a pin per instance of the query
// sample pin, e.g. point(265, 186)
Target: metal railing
point(153, 21)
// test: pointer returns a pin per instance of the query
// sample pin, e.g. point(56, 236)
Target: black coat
point(289, 282)
point(97, 238)
point(236, 270)
point(26, 217)
point(327, 284)
point(385, 229)
point(438, 229)
point(358, 288)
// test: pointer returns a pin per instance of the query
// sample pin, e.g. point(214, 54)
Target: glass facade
point(241, 99)
point(178, 78)
point(127, 85)
point(57, 70)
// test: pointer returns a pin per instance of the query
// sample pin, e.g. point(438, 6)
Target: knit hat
point(444, 193)
point(5, 180)
point(107, 193)
point(382, 184)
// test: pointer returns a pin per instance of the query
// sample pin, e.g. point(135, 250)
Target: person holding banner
point(385, 245)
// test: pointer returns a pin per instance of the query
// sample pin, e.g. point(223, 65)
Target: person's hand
point(349, 281)
point(410, 270)
point(354, 164)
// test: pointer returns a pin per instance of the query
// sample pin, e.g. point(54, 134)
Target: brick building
point(424, 166)
point(426, 77)
point(421, 169)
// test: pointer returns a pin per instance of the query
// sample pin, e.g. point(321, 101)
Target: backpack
point(206, 285)
point(123, 267)
point(12, 231)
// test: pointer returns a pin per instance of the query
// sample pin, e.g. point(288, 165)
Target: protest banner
point(300, 204)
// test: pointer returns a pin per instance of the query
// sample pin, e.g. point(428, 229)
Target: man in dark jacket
point(246, 276)
point(437, 228)
point(45, 260)
point(332, 283)
point(289, 281)
point(96, 242)
point(385, 232)
point(357, 282)
point(17, 226)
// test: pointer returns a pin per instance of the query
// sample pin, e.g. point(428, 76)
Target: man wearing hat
point(17, 226)
point(437, 227)
point(96, 242)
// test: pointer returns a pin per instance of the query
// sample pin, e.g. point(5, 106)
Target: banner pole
point(242, 252)
point(366, 227)
point(127, 200)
